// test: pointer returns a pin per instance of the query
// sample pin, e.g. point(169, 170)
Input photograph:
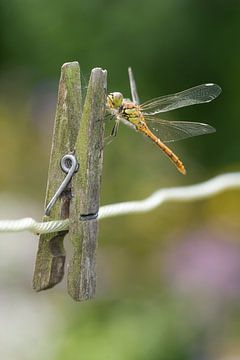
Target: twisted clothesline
point(184, 193)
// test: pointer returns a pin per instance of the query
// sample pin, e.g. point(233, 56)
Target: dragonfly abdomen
point(177, 162)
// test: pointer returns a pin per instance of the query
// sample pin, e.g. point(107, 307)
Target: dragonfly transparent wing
point(199, 94)
point(133, 86)
point(169, 131)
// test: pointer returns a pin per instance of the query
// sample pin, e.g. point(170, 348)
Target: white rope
point(184, 193)
point(33, 226)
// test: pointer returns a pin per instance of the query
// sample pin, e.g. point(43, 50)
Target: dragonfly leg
point(113, 134)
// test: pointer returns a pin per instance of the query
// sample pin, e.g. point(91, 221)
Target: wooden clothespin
point(78, 133)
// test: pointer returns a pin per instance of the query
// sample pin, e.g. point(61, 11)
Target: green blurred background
point(168, 281)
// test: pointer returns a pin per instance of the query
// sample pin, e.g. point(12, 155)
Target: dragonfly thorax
point(131, 112)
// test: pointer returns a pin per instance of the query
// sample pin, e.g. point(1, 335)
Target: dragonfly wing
point(169, 131)
point(133, 86)
point(199, 94)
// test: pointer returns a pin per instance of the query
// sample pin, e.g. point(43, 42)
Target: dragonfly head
point(114, 100)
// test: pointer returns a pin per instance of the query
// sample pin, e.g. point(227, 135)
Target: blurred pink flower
point(205, 262)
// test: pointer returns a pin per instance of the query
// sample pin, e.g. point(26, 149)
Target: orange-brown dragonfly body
point(133, 114)
point(144, 118)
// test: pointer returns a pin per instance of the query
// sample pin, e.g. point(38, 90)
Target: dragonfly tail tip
point(182, 170)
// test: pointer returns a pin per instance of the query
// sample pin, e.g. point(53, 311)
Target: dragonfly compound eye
point(117, 99)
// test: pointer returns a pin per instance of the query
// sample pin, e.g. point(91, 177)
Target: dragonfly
point(145, 119)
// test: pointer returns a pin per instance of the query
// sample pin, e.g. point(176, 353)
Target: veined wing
point(199, 94)
point(133, 86)
point(169, 131)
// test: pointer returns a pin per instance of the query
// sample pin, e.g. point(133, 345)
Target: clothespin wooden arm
point(83, 227)
point(49, 266)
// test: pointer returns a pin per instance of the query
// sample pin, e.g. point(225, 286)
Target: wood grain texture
point(83, 226)
point(49, 266)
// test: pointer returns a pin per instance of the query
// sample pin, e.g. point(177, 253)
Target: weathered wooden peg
point(79, 136)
